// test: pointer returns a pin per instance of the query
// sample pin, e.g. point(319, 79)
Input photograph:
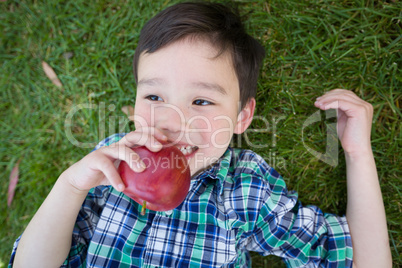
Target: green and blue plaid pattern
point(239, 205)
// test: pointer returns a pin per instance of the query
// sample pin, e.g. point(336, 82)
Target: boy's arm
point(365, 209)
point(46, 241)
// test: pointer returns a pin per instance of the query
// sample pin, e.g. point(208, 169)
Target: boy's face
point(192, 96)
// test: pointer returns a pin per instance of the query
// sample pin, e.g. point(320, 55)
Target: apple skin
point(165, 182)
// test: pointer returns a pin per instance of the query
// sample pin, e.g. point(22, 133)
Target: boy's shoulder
point(248, 162)
point(243, 168)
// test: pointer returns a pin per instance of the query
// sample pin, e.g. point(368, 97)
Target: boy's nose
point(168, 117)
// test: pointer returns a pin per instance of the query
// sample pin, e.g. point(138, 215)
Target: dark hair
point(215, 22)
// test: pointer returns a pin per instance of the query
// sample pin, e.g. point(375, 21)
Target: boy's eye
point(153, 98)
point(202, 102)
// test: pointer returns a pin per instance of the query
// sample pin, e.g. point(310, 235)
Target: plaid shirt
point(239, 205)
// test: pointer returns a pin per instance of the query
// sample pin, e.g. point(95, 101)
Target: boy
point(196, 71)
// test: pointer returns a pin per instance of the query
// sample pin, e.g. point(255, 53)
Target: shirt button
point(169, 212)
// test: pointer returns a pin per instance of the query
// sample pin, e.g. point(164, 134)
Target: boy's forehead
point(197, 44)
point(197, 59)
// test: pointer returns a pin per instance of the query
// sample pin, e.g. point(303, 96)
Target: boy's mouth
point(187, 149)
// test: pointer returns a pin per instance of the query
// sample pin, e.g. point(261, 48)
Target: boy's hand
point(100, 166)
point(354, 119)
point(369, 234)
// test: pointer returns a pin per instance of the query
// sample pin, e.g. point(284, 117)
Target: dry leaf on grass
point(129, 111)
point(51, 74)
point(14, 176)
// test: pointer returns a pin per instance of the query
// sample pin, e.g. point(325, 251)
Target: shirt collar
point(219, 171)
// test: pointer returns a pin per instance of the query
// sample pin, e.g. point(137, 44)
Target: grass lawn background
point(312, 47)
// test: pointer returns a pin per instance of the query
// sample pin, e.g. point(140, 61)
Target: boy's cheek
point(198, 123)
point(142, 116)
point(222, 132)
point(210, 132)
point(141, 121)
point(221, 138)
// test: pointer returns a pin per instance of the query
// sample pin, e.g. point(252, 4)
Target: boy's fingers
point(339, 95)
point(149, 137)
point(134, 161)
point(339, 99)
point(335, 103)
point(341, 92)
point(121, 151)
point(124, 153)
point(134, 139)
point(342, 98)
point(109, 170)
point(351, 108)
point(155, 132)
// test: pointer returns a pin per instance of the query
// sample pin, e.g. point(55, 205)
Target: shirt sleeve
point(302, 236)
point(10, 264)
point(85, 225)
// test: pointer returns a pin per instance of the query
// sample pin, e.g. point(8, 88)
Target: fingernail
point(120, 187)
point(141, 165)
point(137, 166)
point(158, 145)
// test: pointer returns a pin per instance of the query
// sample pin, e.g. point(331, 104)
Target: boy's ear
point(245, 117)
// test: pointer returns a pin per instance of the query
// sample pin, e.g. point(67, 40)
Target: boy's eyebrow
point(150, 82)
point(210, 86)
point(197, 85)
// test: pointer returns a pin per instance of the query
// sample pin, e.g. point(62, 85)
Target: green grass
point(312, 47)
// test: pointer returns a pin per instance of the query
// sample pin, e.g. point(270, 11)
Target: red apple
point(165, 182)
